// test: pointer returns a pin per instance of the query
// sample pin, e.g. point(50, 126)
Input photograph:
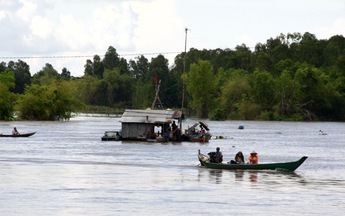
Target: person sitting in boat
point(15, 131)
point(219, 155)
point(238, 158)
point(216, 157)
point(253, 158)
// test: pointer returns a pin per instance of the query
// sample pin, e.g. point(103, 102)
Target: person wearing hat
point(253, 158)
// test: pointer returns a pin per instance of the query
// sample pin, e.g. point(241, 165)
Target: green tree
point(98, 67)
point(235, 91)
point(262, 91)
point(46, 75)
point(242, 58)
point(22, 75)
point(335, 48)
point(119, 88)
point(54, 102)
point(65, 74)
point(85, 87)
point(313, 91)
point(142, 90)
point(95, 67)
point(201, 87)
point(287, 95)
point(98, 94)
point(263, 61)
point(88, 68)
point(310, 50)
point(140, 67)
point(7, 98)
point(111, 59)
point(34, 103)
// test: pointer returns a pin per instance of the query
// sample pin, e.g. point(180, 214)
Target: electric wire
point(84, 56)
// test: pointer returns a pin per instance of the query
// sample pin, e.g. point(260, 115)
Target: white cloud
point(72, 33)
point(157, 27)
point(2, 15)
point(41, 27)
point(336, 28)
point(27, 11)
point(113, 25)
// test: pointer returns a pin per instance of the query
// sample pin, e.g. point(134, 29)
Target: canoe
point(18, 135)
point(288, 166)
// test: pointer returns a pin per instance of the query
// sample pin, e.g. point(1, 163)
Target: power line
point(83, 56)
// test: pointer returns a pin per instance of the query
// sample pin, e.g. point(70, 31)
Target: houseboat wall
point(136, 131)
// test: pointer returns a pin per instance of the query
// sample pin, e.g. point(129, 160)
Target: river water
point(65, 169)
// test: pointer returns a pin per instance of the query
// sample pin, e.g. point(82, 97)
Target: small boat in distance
point(18, 135)
point(287, 166)
point(322, 133)
point(193, 134)
point(112, 135)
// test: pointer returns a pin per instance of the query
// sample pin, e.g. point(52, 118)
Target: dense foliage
point(290, 77)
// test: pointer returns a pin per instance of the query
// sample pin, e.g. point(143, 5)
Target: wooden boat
point(195, 135)
point(288, 166)
point(18, 135)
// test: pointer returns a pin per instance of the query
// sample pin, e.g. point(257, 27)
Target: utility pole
point(184, 65)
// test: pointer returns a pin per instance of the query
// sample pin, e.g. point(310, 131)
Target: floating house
point(151, 125)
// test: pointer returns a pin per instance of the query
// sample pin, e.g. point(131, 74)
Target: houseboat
point(151, 125)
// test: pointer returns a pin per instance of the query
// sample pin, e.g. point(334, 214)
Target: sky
point(65, 33)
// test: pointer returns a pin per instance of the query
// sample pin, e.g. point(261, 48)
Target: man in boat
point(219, 156)
point(253, 158)
point(216, 157)
point(15, 131)
point(238, 158)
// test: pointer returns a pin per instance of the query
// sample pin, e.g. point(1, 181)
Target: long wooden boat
point(18, 135)
point(289, 166)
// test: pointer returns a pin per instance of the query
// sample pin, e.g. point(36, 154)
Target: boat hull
point(289, 166)
point(18, 135)
point(112, 136)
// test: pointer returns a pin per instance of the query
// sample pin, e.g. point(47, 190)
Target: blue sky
point(44, 28)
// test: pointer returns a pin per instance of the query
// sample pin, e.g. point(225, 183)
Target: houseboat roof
point(150, 116)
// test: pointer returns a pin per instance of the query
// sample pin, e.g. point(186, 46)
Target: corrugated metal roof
point(150, 116)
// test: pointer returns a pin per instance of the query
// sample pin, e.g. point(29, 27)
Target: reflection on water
point(270, 178)
point(253, 177)
point(216, 175)
point(239, 175)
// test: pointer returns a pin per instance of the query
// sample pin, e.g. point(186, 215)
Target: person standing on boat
point(15, 131)
point(219, 156)
point(238, 158)
point(253, 158)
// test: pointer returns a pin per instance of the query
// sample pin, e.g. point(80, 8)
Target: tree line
point(290, 77)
